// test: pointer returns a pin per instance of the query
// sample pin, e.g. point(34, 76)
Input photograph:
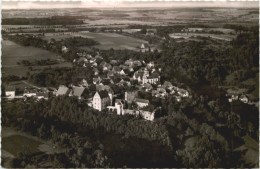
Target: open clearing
point(15, 141)
point(13, 53)
point(106, 40)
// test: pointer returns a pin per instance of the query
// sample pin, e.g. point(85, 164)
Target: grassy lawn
point(17, 143)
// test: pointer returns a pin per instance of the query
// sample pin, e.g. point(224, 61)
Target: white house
point(10, 92)
point(29, 92)
point(101, 100)
point(147, 115)
point(244, 99)
point(141, 102)
point(152, 79)
point(64, 49)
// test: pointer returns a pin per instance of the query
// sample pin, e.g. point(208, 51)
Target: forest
point(54, 20)
point(194, 119)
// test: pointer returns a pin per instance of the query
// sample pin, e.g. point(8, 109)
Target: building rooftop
point(142, 100)
point(62, 90)
point(77, 91)
point(103, 94)
point(153, 75)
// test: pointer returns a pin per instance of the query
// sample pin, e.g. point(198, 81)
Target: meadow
point(13, 53)
point(14, 142)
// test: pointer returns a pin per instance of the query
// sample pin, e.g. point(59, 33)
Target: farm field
point(106, 40)
point(213, 36)
point(13, 53)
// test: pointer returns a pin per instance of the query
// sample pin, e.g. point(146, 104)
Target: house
point(107, 81)
point(113, 62)
point(131, 112)
point(178, 98)
point(77, 91)
point(183, 93)
point(119, 107)
point(10, 91)
point(155, 93)
point(96, 80)
point(82, 59)
point(42, 95)
point(101, 100)
point(150, 65)
point(29, 92)
point(144, 47)
point(129, 62)
point(141, 74)
point(96, 71)
point(104, 87)
point(89, 56)
point(147, 87)
point(94, 64)
point(243, 98)
point(109, 74)
point(84, 83)
point(63, 90)
point(137, 63)
point(102, 63)
point(152, 79)
point(130, 96)
point(167, 85)
point(162, 92)
point(126, 71)
point(64, 49)
point(98, 57)
point(147, 115)
point(92, 60)
point(106, 67)
point(141, 102)
point(116, 69)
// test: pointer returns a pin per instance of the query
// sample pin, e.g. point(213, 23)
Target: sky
point(22, 4)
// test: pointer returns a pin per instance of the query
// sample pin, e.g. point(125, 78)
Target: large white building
point(101, 100)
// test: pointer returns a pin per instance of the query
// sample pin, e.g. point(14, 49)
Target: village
point(135, 75)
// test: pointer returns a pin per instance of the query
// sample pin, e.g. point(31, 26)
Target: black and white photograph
point(129, 84)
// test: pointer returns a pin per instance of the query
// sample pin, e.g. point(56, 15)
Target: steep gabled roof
point(102, 63)
point(116, 68)
point(77, 91)
point(103, 87)
point(103, 94)
point(62, 90)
